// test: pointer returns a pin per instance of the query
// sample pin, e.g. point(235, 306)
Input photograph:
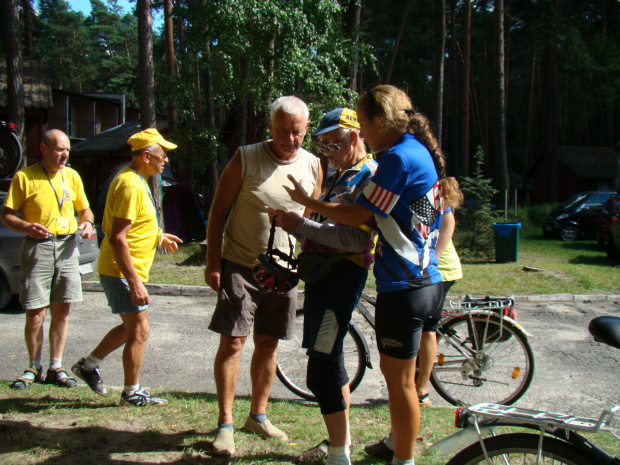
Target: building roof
point(589, 162)
point(113, 140)
point(36, 84)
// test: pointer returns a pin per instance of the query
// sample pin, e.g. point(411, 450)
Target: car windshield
point(571, 202)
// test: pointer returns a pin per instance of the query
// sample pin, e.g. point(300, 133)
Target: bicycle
point(482, 353)
point(10, 150)
point(557, 439)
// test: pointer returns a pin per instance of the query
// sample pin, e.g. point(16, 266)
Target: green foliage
point(94, 54)
point(474, 235)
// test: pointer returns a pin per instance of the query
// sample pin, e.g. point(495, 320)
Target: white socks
point(91, 362)
point(131, 388)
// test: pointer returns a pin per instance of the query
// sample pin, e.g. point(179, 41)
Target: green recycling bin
point(506, 242)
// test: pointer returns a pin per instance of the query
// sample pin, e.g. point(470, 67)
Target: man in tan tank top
point(237, 232)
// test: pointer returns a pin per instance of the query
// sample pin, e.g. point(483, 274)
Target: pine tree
point(474, 233)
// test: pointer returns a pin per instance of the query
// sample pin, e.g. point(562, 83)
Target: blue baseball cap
point(339, 118)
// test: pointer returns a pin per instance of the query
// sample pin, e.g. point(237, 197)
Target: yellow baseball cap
point(339, 118)
point(148, 137)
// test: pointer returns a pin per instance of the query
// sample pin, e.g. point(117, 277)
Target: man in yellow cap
point(48, 195)
point(132, 234)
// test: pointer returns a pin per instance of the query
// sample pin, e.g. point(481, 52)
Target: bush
point(474, 236)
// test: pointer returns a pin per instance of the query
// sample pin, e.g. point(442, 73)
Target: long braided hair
point(396, 109)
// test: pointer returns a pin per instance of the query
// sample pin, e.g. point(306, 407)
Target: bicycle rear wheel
point(522, 449)
point(10, 152)
point(498, 365)
point(293, 361)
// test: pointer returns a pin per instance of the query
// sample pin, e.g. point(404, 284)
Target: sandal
point(25, 382)
point(53, 377)
point(425, 399)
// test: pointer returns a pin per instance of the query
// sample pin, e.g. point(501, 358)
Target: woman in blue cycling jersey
point(405, 198)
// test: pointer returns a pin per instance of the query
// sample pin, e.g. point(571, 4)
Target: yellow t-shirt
point(31, 194)
point(450, 264)
point(128, 198)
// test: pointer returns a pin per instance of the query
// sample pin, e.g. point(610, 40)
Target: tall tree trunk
point(439, 72)
point(180, 30)
point(27, 7)
point(147, 90)
point(530, 116)
point(355, 18)
point(464, 158)
point(210, 120)
point(397, 44)
point(14, 85)
point(501, 157)
point(271, 59)
point(212, 165)
point(170, 68)
point(550, 100)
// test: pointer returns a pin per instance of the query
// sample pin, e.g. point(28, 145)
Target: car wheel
point(5, 292)
point(569, 233)
point(612, 251)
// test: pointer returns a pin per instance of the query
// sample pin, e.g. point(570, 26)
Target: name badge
point(62, 225)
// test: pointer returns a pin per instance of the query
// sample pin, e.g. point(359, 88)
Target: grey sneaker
point(90, 377)
point(224, 443)
point(141, 398)
point(266, 429)
point(380, 449)
point(317, 453)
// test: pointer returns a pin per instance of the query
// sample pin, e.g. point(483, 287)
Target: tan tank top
point(247, 229)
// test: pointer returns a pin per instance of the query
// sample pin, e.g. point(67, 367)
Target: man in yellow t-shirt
point(132, 234)
point(47, 195)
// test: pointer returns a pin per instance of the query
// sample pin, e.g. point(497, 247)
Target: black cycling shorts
point(400, 318)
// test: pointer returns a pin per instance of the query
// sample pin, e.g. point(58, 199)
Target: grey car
point(10, 246)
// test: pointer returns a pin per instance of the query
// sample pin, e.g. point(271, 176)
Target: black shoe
point(90, 377)
point(380, 449)
point(141, 398)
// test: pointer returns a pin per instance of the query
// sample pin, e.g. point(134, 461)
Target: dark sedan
point(577, 217)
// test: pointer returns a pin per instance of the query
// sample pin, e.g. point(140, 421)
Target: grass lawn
point(49, 425)
point(578, 267)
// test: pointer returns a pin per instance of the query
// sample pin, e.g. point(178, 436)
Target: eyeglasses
point(161, 156)
point(331, 146)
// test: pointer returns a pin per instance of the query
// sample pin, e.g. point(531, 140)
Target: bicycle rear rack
point(481, 303)
point(546, 419)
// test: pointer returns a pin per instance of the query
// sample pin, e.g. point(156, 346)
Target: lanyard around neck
point(150, 195)
point(60, 201)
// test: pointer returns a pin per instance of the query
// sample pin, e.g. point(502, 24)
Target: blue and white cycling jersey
point(405, 197)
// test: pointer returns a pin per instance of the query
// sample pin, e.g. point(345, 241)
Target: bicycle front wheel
point(522, 449)
point(482, 358)
point(10, 152)
point(293, 361)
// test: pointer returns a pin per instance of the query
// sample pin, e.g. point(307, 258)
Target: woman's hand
point(297, 193)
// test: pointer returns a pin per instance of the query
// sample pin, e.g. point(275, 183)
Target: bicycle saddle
point(606, 329)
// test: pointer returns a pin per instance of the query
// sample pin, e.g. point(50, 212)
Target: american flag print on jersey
point(381, 198)
point(425, 211)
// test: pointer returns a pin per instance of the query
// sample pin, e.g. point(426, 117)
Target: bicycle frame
point(482, 419)
point(468, 309)
point(466, 352)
